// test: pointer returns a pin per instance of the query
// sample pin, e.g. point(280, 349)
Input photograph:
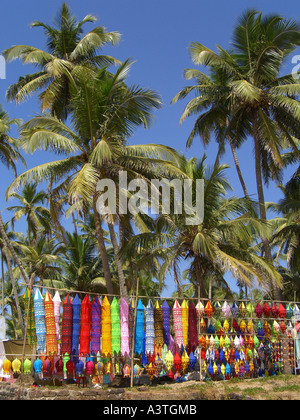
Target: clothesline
point(160, 297)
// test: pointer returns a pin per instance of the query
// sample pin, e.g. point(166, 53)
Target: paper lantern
point(115, 326)
point(258, 310)
point(185, 321)
point(267, 329)
point(209, 309)
point(56, 307)
point(106, 327)
point(40, 322)
point(50, 325)
point(66, 330)
point(90, 367)
point(217, 342)
point(65, 359)
point(281, 311)
point(151, 370)
point(222, 341)
point(85, 325)
point(16, 366)
point(282, 327)
point(250, 326)
point(200, 309)
point(126, 371)
point(289, 311)
point(169, 360)
point(235, 325)
point(226, 309)
point(274, 310)
point(236, 341)
point(192, 361)
point(124, 318)
point(158, 363)
point(234, 310)
point(131, 311)
point(226, 326)
point(166, 322)
point(185, 361)
point(177, 362)
point(158, 326)
point(177, 320)
point(31, 331)
point(27, 366)
point(192, 330)
point(139, 329)
point(243, 326)
point(296, 311)
point(227, 342)
point(37, 366)
point(70, 365)
point(250, 309)
point(266, 310)
point(217, 308)
point(96, 325)
point(76, 324)
point(242, 310)
point(137, 371)
point(150, 334)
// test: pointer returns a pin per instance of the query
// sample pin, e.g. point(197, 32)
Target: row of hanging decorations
point(219, 340)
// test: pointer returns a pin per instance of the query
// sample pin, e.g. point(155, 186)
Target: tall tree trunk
point(13, 283)
point(262, 205)
point(238, 169)
point(177, 282)
point(102, 249)
point(199, 276)
point(119, 264)
point(12, 251)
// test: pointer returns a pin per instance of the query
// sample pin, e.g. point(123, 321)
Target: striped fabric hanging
point(177, 320)
point(158, 327)
point(139, 328)
point(50, 325)
point(106, 327)
point(124, 318)
point(31, 332)
point(96, 325)
point(40, 322)
point(85, 325)
point(66, 329)
point(56, 306)
point(150, 335)
point(76, 325)
point(115, 326)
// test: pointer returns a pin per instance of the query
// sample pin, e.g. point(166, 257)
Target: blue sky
point(156, 34)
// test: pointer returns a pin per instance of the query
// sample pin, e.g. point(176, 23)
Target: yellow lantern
point(226, 326)
point(16, 366)
point(6, 366)
point(215, 368)
point(169, 360)
point(243, 326)
point(185, 361)
point(222, 341)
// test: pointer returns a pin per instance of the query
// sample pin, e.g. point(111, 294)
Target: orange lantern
point(209, 309)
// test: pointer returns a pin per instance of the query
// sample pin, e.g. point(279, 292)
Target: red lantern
point(177, 362)
point(202, 341)
point(274, 310)
point(258, 310)
point(266, 310)
point(282, 327)
point(235, 325)
point(281, 311)
point(209, 309)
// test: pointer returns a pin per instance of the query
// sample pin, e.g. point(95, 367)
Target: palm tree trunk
point(102, 249)
point(122, 282)
point(177, 282)
point(16, 259)
point(13, 283)
point(261, 199)
point(238, 169)
point(199, 276)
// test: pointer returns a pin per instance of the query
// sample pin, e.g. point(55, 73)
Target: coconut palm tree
point(67, 48)
point(261, 98)
point(37, 216)
point(219, 244)
point(105, 112)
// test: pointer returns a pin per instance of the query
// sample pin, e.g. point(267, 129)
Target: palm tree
point(67, 49)
point(37, 216)
point(261, 99)
point(219, 244)
point(105, 113)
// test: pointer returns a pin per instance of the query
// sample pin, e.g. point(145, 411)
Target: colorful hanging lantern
point(258, 310)
point(85, 325)
point(209, 309)
point(192, 330)
point(266, 310)
point(37, 366)
point(185, 321)
point(106, 327)
point(27, 366)
point(90, 367)
point(242, 310)
point(234, 310)
point(217, 308)
point(137, 371)
point(243, 326)
point(202, 324)
point(66, 331)
point(131, 311)
point(150, 333)
point(177, 362)
point(56, 307)
point(192, 361)
point(151, 370)
point(281, 311)
point(274, 310)
point(158, 326)
point(289, 311)
point(40, 322)
point(282, 327)
point(267, 329)
point(200, 309)
point(177, 320)
point(96, 325)
point(124, 317)
point(76, 324)
point(50, 325)
point(226, 309)
point(158, 363)
point(169, 360)
point(139, 329)
point(250, 309)
point(166, 322)
point(31, 331)
point(185, 361)
point(227, 342)
point(226, 326)
point(115, 326)
point(296, 311)
point(126, 371)
point(16, 366)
